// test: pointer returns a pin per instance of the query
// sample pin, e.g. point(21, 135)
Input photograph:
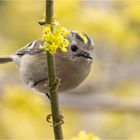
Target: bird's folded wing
point(31, 48)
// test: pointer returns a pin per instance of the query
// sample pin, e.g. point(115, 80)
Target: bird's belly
point(33, 69)
point(34, 73)
point(71, 75)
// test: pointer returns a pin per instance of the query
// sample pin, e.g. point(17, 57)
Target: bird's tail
point(5, 59)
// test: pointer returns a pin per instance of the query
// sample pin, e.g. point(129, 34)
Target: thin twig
point(52, 79)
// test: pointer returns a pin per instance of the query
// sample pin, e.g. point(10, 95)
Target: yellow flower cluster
point(83, 136)
point(55, 39)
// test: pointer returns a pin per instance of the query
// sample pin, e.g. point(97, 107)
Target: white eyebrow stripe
point(32, 45)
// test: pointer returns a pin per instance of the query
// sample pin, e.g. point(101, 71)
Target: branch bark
point(52, 79)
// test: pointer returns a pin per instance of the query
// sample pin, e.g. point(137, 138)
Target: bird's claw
point(46, 85)
point(56, 85)
point(57, 82)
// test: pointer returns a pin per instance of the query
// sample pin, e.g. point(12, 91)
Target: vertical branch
point(52, 78)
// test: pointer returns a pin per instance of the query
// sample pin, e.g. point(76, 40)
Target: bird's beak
point(85, 55)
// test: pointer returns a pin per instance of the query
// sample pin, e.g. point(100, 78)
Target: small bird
point(71, 67)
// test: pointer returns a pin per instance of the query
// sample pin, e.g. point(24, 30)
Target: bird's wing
point(31, 48)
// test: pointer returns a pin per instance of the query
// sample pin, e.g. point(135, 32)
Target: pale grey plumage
point(71, 67)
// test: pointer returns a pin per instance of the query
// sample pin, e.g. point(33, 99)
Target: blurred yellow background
point(107, 102)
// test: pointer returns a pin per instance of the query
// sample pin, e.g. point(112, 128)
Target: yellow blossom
point(83, 136)
point(56, 39)
point(47, 28)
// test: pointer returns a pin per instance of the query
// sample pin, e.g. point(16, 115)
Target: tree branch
point(52, 79)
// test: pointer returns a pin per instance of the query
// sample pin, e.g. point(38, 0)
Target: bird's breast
point(34, 68)
point(72, 73)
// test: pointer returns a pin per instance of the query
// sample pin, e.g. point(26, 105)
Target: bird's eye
point(74, 48)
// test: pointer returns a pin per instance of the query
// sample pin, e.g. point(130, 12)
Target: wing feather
point(31, 48)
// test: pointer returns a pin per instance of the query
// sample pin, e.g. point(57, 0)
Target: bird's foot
point(46, 85)
point(56, 85)
point(57, 82)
